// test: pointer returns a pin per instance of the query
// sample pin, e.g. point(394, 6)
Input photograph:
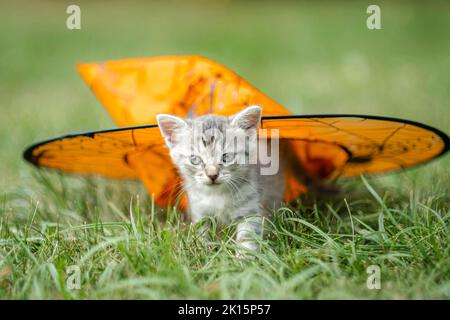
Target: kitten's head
point(212, 150)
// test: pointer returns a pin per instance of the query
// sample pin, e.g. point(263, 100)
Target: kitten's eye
point(195, 160)
point(228, 157)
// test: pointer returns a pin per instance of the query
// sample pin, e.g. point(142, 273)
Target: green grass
point(313, 58)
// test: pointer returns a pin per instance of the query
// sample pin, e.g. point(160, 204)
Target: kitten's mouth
point(213, 183)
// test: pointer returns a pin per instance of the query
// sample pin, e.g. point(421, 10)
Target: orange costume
point(134, 91)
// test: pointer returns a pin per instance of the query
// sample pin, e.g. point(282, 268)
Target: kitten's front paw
point(247, 250)
point(248, 234)
point(244, 256)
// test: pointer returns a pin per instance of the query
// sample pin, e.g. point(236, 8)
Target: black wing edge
point(445, 138)
point(28, 153)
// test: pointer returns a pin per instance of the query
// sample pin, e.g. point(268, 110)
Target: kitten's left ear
point(248, 118)
point(170, 126)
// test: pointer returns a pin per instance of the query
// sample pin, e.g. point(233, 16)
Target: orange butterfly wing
point(134, 91)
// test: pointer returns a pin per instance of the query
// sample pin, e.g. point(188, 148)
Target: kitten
point(214, 156)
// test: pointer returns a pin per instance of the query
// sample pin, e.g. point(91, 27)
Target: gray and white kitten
point(212, 154)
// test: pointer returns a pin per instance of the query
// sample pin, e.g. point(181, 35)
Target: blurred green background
point(312, 57)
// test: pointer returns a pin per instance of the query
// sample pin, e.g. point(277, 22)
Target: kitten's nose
point(213, 177)
point(212, 172)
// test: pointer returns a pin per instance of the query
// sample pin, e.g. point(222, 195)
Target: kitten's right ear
point(169, 126)
point(247, 119)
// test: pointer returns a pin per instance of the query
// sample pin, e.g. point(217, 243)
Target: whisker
point(246, 181)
